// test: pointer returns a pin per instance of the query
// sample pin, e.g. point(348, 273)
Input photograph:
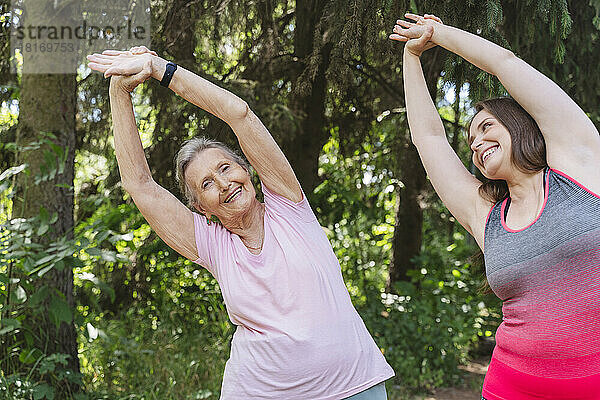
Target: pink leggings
point(505, 383)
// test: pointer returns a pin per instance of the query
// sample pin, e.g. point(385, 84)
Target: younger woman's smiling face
point(490, 142)
point(222, 186)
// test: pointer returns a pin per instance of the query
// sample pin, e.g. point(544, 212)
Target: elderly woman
point(298, 335)
point(537, 218)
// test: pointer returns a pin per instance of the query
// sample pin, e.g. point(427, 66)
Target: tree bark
point(47, 104)
point(408, 229)
point(304, 147)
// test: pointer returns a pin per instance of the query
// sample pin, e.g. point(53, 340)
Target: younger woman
point(537, 219)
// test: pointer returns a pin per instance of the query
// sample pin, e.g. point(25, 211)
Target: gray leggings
point(376, 392)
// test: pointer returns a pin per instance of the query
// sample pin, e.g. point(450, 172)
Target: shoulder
point(211, 238)
point(585, 185)
point(283, 207)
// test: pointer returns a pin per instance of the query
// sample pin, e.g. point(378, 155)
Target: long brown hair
point(528, 154)
point(528, 146)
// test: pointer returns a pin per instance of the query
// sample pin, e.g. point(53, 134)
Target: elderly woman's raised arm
point(255, 140)
point(168, 217)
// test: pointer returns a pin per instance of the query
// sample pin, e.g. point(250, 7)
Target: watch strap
point(169, 71)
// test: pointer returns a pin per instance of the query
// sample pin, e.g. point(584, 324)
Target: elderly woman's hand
point(418, 34)
point(114, 62)
point(142, 50)
point(129, 82)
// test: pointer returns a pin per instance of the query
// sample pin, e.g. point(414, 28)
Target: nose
point(475, 144)
point(222, 182)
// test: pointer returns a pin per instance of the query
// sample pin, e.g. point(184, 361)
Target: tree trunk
point(408, 229)
point(47, 104)
point(304, 147)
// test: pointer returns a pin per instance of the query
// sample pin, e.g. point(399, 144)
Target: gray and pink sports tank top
point(548, 277)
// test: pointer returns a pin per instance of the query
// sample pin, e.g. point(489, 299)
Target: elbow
point(508, 56)
point(136, 186)
point(239, 109)
point(413, 137)
point(415, 141)
point(130, 187)
point(503, 62)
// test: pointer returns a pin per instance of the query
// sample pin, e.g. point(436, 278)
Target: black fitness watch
point(169, 71)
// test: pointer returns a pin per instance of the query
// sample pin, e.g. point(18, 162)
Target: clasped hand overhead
point(417, 34)
point(128, 68)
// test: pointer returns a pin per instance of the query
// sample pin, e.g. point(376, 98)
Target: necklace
point(253, 248)
point(262, 234)
point(260, 243)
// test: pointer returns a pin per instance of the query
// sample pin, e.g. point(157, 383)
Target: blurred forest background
point(94, 306)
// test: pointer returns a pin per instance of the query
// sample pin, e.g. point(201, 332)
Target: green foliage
point(152, 325)
point(52, 368)
point(428, 328)
point(354, 204)
point(596, 20)
point(27, 299)
point(170, 361)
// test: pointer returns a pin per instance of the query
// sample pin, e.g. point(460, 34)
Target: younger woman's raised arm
point(255, 140)
point(457, 188)
point(572, 141)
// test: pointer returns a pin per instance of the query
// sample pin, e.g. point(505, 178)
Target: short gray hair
point(189, 150)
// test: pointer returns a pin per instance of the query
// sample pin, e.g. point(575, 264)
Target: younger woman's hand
point(418, 34)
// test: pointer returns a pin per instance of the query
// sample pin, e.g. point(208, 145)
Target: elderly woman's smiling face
point(222, 186)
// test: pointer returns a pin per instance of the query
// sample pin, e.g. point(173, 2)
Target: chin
point(244, 204)
point(491, 176)
point(490, 170)
point(495, 175)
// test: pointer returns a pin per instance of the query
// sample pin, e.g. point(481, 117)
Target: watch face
point(169, 71)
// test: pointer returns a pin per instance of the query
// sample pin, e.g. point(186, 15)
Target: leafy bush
point(31, 306)
point(423, 335)
point(166, 333)
point(429, 326)
point(128, 360)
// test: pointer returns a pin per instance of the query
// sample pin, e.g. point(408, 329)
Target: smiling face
point(222, 187)
point(491, 144)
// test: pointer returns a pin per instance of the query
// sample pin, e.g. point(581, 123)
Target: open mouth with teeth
point(488, 153)
point(233, 195)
